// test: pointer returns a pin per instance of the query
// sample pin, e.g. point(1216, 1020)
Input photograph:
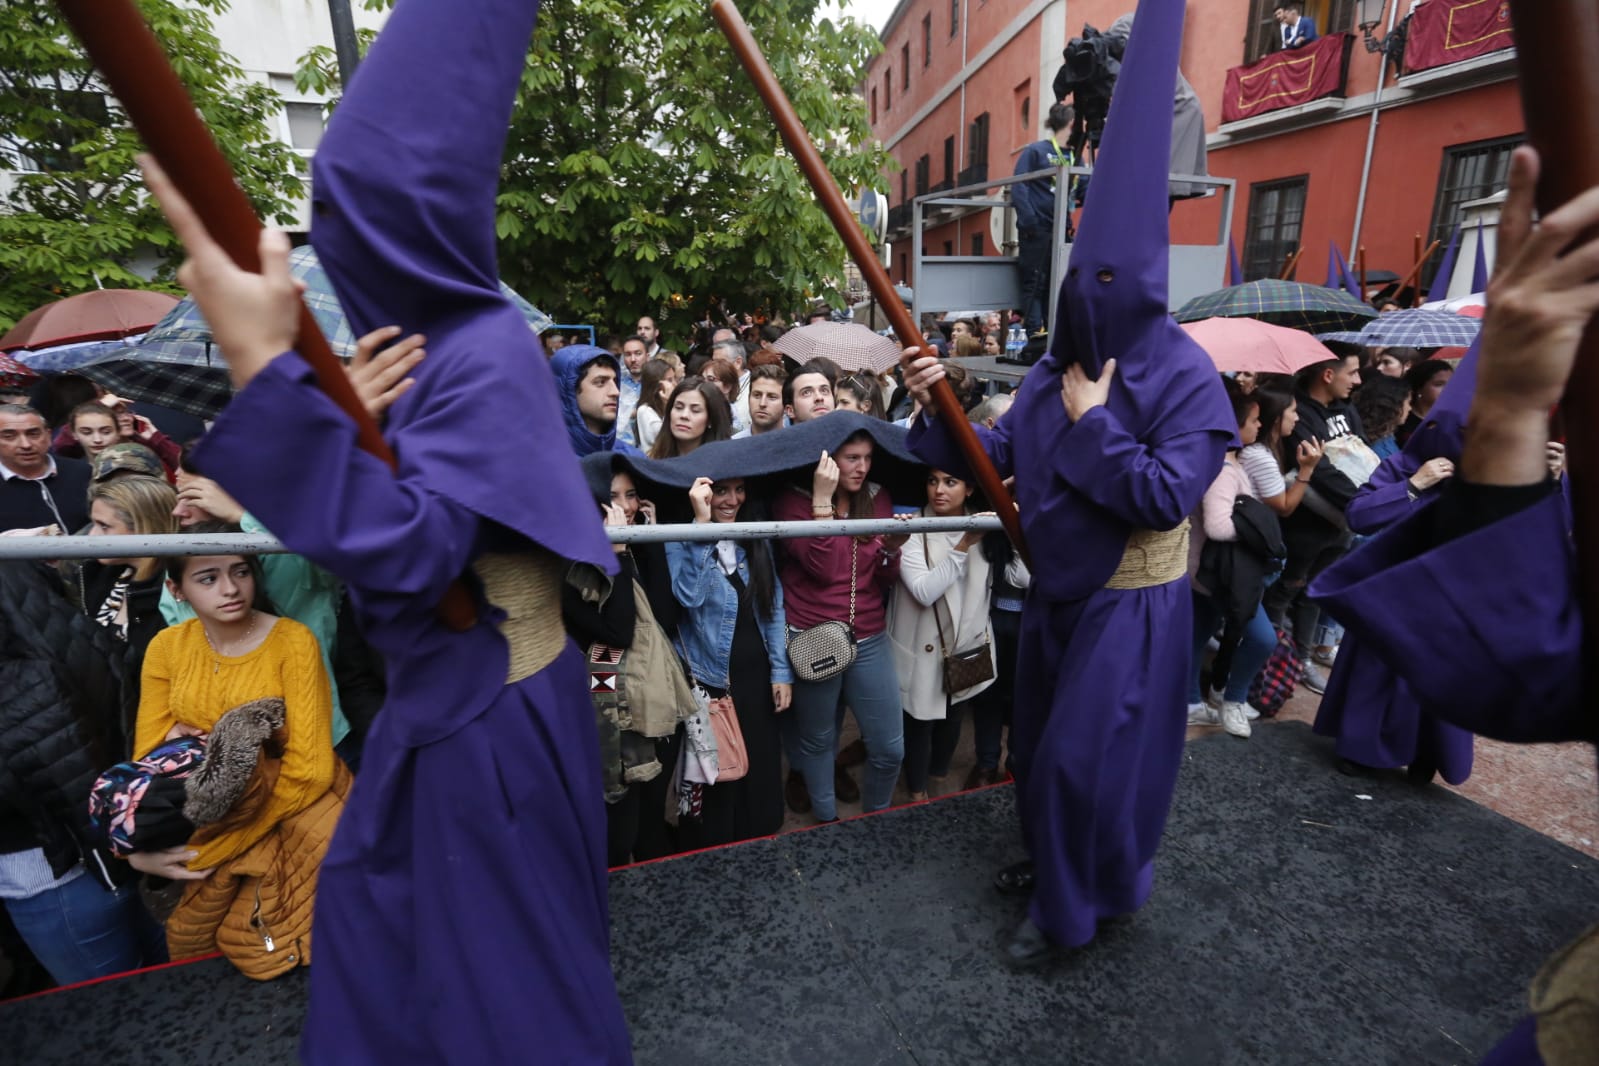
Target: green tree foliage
point(77, 217)
point(644, 173)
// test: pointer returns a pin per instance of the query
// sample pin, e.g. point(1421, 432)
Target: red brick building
point(962, 86)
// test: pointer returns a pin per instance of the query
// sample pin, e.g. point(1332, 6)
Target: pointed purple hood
point(404, 188)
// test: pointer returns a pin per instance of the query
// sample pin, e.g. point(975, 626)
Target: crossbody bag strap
point(943, 648)
point(854, 557)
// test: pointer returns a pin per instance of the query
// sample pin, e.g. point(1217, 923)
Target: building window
point(905, 66)
point(977, 244)
point(874, 106)
point(954, 16)
point(305, 125)
point(904, 186)
point(1265, 35)
point(1469, 172)
point(923, 165)
point(78, 115)
point(977, 141)
point(1023, 95)
point(927, 40)
point(949, 161)
point(1276, 212)
point(949, 247)
point(888, 89)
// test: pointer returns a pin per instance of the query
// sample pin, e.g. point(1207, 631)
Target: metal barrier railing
point(137, 547)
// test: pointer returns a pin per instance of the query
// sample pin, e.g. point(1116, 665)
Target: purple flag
point(1446, 269)
point(1479, 273)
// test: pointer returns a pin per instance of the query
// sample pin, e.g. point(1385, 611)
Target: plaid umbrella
point(1341, 336)
point(1313, 308)
point(850, 345)
point(1420, 329)
point(177, 366)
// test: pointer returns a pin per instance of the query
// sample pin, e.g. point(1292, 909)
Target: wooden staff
point(1558, 42)
point(1361, 269)
point(860, 250)
point(1291, 264)
point(139, 75)
point(1415, 271)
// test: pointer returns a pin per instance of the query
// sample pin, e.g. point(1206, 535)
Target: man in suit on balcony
point(1297, 30)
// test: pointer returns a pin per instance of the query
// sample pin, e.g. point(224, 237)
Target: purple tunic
point(462, 913)
point(1100, 712)
point(1367, 707)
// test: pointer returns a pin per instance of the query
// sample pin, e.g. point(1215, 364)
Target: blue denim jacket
point(710, 613)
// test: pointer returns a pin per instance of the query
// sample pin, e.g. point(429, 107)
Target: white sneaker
point(1203, 714)
point(1326, 658)
point(1234, 719)
point(1215, 698)
point(1250, 712)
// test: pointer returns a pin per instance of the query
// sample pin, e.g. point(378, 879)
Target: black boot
point(1015, 879)
point(1028, 948)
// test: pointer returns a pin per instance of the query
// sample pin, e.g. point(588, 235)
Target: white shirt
point(7, 474)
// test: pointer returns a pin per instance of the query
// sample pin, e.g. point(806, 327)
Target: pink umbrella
point(1236, 344)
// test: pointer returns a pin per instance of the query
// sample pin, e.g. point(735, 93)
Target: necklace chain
point(249, 631)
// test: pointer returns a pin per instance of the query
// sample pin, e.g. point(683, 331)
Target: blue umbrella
point(1420, 329)
point(176, 364)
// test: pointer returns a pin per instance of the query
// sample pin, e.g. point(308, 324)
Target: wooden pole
point(137, 72)
point(1362, 269)
point(1415, 249)
point(860, 250)
point(1415, 271)
point(1558, 46)
point(1292, 263)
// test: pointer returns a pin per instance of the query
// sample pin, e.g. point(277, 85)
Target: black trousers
point(635, 825)
point(929, 746)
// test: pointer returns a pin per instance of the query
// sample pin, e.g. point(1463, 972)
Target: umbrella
point(1420, 329)
point(1341, 336)
point(1312, 308)
point(851, 346)
point(176, 365)
point(1235, 344)
point(1472, 304)
point(13, 374)
point(103, 314)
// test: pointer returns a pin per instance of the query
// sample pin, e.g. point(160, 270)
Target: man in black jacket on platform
point(36, 488)
point(1315, 533)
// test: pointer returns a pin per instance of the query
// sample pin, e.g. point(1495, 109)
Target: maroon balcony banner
point(1448, 31)
point(1287, 78)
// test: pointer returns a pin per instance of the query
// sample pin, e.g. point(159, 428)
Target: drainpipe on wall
point(1371, 135)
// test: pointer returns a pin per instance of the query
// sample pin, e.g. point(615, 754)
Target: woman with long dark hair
point(732, 632)
point(656, 382)
point(696, 414)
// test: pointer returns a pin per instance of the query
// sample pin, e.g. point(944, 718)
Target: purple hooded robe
point(1368, 708)
point(461, 914)
point(1100, 712)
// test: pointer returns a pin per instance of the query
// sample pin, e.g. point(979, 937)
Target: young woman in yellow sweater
point(233, 652)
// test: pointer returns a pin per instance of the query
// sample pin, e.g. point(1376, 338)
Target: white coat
point(934, 576)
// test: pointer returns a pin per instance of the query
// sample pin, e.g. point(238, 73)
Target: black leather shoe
point(1422, 771)
point(845, 790)
point(796, 794)
point(1028, 948)
point(1015, 879)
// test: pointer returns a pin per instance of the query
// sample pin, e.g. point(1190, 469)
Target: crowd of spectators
point(184, 646)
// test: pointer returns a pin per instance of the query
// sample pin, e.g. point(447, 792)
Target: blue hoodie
point(567, 365)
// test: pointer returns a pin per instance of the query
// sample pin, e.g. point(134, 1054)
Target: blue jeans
point(871, 689)
point(1259, 638)
point(80, 931)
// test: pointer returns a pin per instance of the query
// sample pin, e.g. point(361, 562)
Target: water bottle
point(1016, 342)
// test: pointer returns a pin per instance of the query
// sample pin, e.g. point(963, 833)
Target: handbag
point(964, 669)
point(732, 757)
point(828, 649)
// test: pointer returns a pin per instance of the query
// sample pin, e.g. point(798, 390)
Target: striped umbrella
point(1417, 328)
point(1313, 308)
point(177, 364)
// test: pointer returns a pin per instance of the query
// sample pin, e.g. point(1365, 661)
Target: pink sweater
point(815, 570)
point(1215, 518)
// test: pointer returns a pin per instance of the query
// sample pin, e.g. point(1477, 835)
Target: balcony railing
point(1444, 32)
point(899, 218)
point(1289, 78)
point(973, 175)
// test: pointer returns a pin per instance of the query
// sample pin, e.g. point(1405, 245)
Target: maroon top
point(815, 570)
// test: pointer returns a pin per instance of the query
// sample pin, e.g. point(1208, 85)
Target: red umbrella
point(14, 375)
point(1235, 344)
point(101, 315)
